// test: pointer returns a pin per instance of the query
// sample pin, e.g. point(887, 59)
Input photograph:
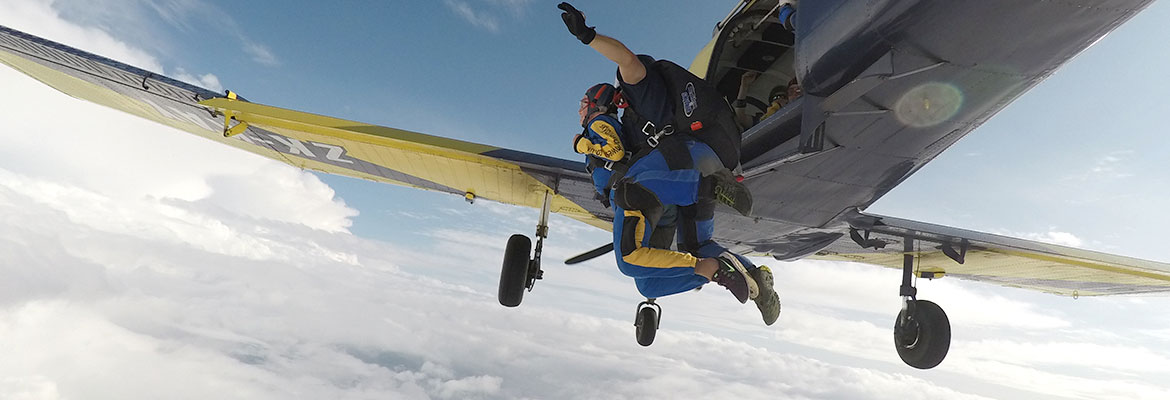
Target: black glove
point(575, 21)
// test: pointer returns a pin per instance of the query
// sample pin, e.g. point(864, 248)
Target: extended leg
point(767, 301)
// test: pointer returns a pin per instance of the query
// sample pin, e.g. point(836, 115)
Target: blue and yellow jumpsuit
point(656, 269)
point(651, 196)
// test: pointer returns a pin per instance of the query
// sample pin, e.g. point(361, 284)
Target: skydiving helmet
point(603, 98)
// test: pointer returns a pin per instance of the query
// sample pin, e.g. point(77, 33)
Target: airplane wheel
point(923, 341)
point(514, 275)
point(646, 325)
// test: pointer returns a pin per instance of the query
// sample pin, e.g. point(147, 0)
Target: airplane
point(888, 85)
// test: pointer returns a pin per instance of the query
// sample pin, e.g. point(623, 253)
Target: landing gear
point(646, 321)
point(514, 276)
point(922, 332)
point(520, 273)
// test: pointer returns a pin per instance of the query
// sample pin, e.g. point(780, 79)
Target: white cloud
point(478, 19)
point(1053, 237)
point(303, 325)
point(206, 81)
point(261, 54)
point(29, 388)
point(210, 81)
point(489, 15)
point(1109, 167)
point(132, 158)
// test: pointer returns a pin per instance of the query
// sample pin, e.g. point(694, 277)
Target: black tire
point(924, 341)
point(514, 274)
point(646, 325)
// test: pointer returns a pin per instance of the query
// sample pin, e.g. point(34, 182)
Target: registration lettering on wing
point(287, 145)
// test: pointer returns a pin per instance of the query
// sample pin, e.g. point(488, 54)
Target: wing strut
point(229, 116)
point(541, 233)
point(960, 255)
point(865, 242)
point(907, 290)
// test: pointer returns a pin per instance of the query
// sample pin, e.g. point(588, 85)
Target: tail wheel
point(922, 335)
point(646, 322)
point(514, 275)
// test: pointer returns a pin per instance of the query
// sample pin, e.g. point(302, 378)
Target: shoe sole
point(728, 198)
point(769, 300)
point(727, 189)
point(753, 287)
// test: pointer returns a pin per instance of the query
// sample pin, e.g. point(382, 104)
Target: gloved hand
point(575, 21)
point(577, 145)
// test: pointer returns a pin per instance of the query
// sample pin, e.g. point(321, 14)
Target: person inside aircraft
point(648, 190)
point(778, 97)
point(794, 90)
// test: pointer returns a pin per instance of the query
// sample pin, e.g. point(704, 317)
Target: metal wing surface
point(946, 251)
point(312, 141)
point(890, 85)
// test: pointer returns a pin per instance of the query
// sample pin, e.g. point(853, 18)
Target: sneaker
point(729, 259)
point(735, 278)
point(725, 189)
point(729, 278)
point(768, 301)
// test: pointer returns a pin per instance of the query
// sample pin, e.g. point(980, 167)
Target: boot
point(722, 187)
point(768, 301)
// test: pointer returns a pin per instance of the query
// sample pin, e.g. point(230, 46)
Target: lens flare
point(929, 104)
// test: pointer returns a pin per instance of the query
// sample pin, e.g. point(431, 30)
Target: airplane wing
point(310, 141)
point(946, 251)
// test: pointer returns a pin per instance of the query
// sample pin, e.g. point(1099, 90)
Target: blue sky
point(135, 250)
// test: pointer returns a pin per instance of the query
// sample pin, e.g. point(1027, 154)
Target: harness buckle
point(609, 163)
point(652, 141)
point(667, 130)
point(648, 129)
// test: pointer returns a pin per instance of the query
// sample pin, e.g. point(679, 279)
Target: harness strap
point(688, 230)
point(674, 151)
point(608, 164)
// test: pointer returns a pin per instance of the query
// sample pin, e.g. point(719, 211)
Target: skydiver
point(648, 193)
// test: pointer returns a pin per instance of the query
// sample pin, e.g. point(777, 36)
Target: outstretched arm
point(629, 66)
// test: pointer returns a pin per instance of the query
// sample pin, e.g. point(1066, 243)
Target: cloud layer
point(142, 262)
